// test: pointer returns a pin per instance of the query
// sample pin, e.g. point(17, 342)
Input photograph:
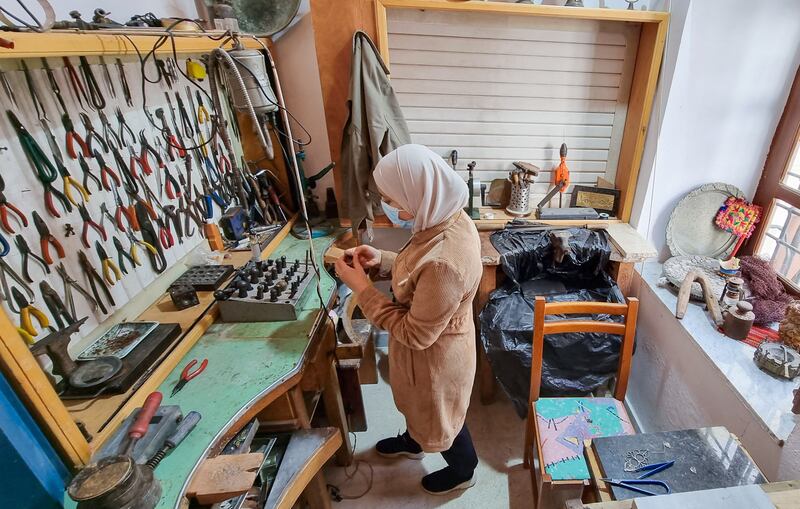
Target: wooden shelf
point(58, 43)
point(306, 454)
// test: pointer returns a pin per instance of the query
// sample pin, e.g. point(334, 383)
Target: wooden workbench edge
point(183, 346)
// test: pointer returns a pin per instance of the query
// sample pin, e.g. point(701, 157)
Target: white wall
point(731, 67)
point(120, 11)
point(296, 60)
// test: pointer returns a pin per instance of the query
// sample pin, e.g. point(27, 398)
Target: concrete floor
point(498, 435)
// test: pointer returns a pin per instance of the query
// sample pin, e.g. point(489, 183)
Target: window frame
point(770, 185)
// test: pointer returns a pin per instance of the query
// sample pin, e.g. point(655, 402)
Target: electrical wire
point(280, 107)
point(335, 491)
point(159, 42)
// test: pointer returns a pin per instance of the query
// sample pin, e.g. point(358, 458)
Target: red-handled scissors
point(186, 375)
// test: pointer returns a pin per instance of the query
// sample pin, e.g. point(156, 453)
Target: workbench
point(628, 248)
point(250, 367)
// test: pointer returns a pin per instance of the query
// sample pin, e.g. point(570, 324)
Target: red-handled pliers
point(106, 172)
point(164, 234)
point(87, 222)
point(46, 239)
point(5, 206)
point(186, 375)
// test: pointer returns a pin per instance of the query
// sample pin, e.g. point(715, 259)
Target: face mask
point(394, 216)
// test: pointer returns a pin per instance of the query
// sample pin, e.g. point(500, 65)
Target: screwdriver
point(184, 428)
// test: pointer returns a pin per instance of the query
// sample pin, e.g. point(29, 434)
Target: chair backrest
point(627, 330)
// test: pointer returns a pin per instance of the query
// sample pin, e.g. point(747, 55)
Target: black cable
point(143, 71)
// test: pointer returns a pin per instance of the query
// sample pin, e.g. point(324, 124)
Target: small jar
point(732, 293)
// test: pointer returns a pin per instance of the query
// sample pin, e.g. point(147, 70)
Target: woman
point(430, 325)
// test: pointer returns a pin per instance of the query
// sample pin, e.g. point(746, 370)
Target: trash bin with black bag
point(565, 265)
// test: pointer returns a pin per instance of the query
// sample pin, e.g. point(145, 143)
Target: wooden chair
point(557, 441)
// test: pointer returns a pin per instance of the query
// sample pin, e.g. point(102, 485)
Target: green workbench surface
point(245, 362)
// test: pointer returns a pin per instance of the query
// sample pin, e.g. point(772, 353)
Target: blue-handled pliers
point(642, 480)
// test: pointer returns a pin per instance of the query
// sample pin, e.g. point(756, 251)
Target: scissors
point(186, 375)
point(642, 480)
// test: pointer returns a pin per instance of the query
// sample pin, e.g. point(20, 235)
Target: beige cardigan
point(431, 329)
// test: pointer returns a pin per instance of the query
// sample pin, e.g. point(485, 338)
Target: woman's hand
point(367, 256)
point(354, 277)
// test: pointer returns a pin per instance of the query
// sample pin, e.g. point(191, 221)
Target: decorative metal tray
point(691, 229)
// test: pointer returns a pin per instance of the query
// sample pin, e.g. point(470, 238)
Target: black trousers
point(461, 456)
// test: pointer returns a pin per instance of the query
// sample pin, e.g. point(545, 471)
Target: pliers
point(157, 259)
point(87, 222)
point(56, 306)
point(45, 171)
point(164, 234)
point(26, 253)
point(106, 172)
point(172, 214)
point(143, 163)
point(188, 213)
point(46, 239)
point(110, 269)
point(95, 279)
point(87, 174)
point(124, 128)
point(5, 269)
point(92, 134)
point(135, 251)
point(26, 309)
point(69, 183)
point(75, 82)
point(72, 137)
point(123, 211)
point(202, 112)
point(122, 254)
point(171, 139)
point(109, 135)
point(5, 206)
point(171, 186)
point(69, 284)
point(148, 150)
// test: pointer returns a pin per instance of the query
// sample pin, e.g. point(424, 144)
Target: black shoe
point(446, 480)
point(398, 446)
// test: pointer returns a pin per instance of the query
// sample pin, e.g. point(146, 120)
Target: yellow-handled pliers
point(202, 113)
point(143, 243)
point(109, 267)
point(26, 336)
point(69, 183)
point(26, 309)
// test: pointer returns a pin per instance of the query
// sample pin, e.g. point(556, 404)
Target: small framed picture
point(598, 198)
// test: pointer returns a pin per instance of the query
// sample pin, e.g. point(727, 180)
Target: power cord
point(336, 492)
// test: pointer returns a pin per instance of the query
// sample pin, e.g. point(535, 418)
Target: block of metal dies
point(183, 296)
point(266, 290)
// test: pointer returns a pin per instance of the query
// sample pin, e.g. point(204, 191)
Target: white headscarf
point(420, 181)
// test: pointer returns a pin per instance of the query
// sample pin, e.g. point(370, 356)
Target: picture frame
point(601, 199)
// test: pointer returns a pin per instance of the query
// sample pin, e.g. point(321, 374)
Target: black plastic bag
point(573, 363)
point(526, 254)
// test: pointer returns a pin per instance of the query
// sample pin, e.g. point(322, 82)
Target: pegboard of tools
point(111, 168)
point(265, 291)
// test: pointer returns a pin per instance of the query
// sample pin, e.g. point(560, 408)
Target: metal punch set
point(265, 290)
point(140, 176)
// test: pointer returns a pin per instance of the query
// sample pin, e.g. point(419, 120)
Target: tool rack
point(24, 191)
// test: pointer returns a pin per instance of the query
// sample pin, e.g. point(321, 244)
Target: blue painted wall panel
point(33, 475)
